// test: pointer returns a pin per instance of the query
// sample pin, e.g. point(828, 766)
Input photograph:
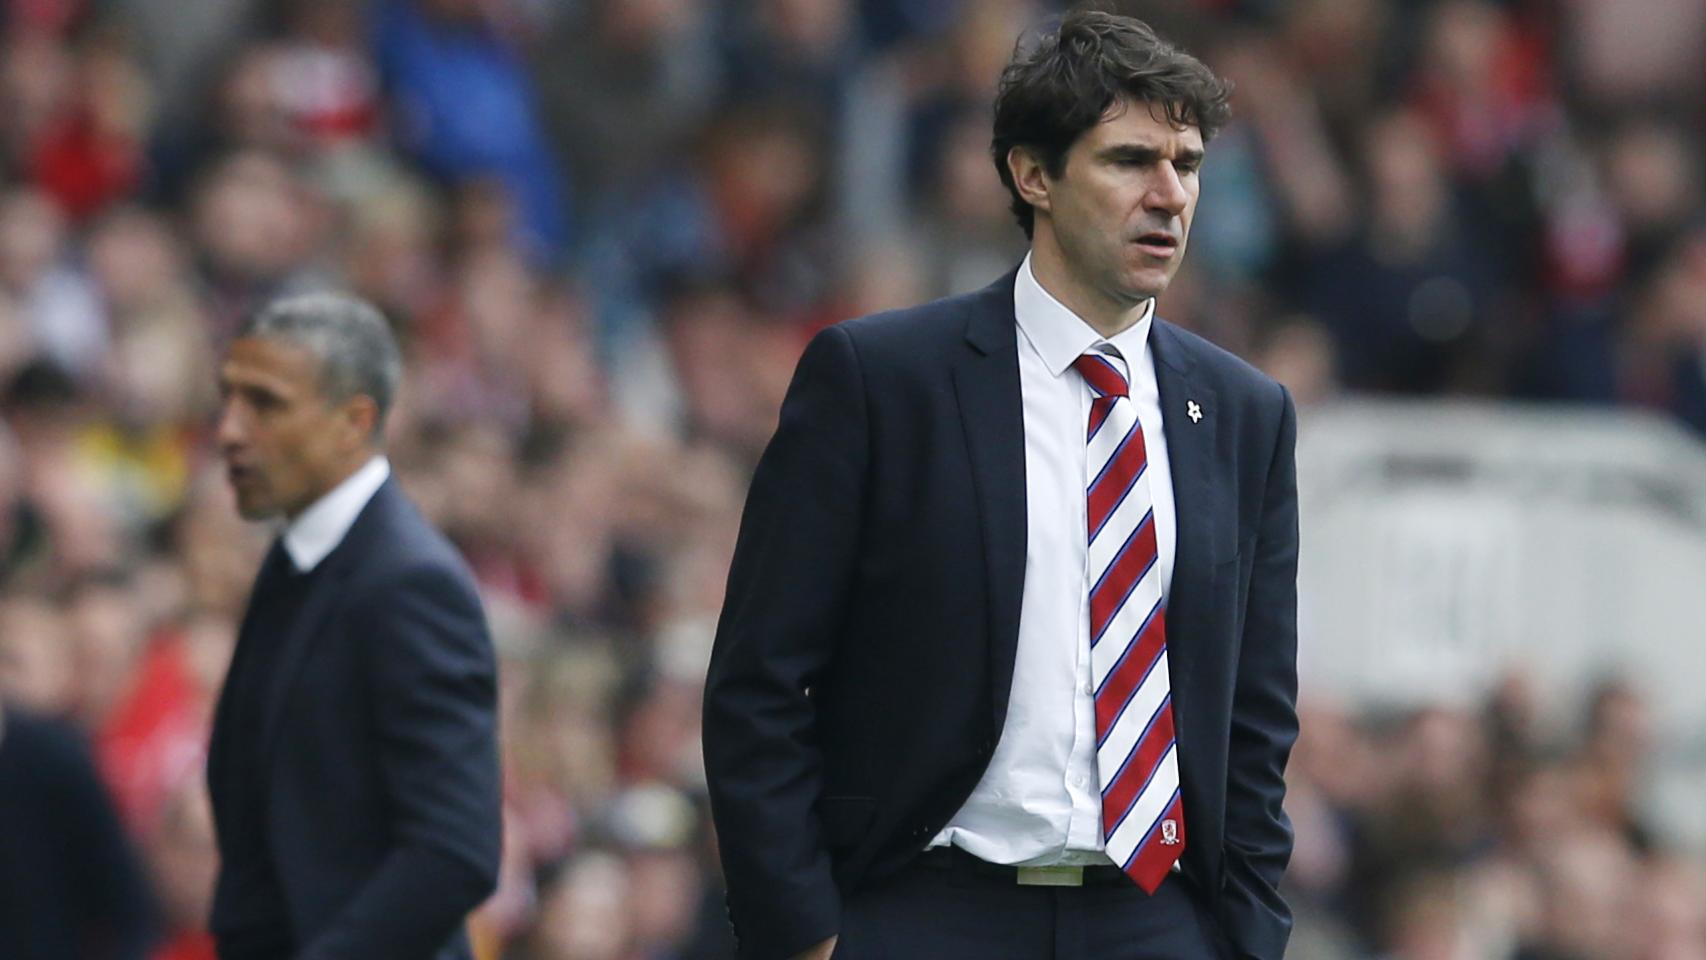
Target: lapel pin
point(1193, 411)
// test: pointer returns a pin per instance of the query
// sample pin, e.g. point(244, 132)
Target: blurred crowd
point(604, 230)
point(1507, 830)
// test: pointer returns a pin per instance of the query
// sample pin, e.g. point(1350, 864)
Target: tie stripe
point(1114, 747)
point(1153, 856)
point(1123, 682)
point(1145, 757)
point(1118, 581)
point(1111, 537)
point(1121, 800)
point(1135, 826)
point(1103, 377)
point(1136, 751)
point(1099, 409)
point(1117, 477)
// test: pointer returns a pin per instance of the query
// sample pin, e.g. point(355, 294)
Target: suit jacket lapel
point(1199, 507)
point(273, 566)
point(986, 384)
point(324, 598)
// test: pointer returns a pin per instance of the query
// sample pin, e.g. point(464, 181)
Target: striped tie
point(1136, 765)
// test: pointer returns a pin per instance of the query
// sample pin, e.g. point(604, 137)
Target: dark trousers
point(929, 913)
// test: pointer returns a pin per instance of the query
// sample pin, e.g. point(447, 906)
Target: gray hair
point(356, 349)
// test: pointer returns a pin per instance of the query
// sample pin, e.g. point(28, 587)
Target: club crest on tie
point(1169, 833)
point(1193, 411)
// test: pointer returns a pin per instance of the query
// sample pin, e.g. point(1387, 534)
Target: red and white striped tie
point(1136, 761)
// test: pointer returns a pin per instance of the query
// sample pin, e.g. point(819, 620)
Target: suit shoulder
point(926, 327)
point(45, 746)
point(410, 549)
point(1229, 369)
point(40, 731)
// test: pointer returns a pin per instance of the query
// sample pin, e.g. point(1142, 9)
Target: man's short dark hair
point(1074, 75)
point(351, 340)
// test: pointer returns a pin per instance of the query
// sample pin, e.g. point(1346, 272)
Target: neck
point(1108, 316)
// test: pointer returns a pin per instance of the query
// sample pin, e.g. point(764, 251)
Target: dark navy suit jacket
point(378, 752)
point(863, 660)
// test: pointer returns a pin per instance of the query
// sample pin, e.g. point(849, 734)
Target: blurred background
point(1467, 234)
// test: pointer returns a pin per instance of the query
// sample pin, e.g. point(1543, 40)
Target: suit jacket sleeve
point(1264, 718)
point(434, 701)
point(788, 585)
point(117, 902)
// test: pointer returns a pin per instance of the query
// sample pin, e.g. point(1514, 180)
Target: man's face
point(1121, 210)
point(284, 444)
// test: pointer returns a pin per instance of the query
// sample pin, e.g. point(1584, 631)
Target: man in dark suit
point(71, 886)
point(353, 768)
point(1006, 667)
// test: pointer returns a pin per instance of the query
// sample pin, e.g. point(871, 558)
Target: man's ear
point(1029, 177)
point(361, 413)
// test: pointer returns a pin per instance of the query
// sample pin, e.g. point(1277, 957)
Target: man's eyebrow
point(250, 388)
point(1145, 153)
point(1132, 151)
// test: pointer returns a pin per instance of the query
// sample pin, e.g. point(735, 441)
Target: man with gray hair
point(353, 766)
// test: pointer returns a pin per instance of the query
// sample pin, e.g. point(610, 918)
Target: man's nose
point(229, 432)
point(1166, 191)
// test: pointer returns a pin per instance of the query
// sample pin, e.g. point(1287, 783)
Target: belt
point(955, 860)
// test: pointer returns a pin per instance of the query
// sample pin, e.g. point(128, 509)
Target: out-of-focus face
point(108, 629)
point(31, 231)
point(584, 915)
point(1590, 894)
point(135, 259)
point(644, 23)
point(664, 896)
point(284, 444)
point(35, 665)
point(1121, 210)
point(253, 218)
point(815, 25)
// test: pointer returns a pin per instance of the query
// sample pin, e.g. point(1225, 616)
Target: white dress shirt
point(1039, 802)
point(314, 534)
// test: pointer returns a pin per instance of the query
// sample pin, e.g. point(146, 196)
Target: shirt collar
point(318, 530)
point(1061, 336)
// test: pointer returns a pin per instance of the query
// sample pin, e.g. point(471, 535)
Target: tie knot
point(1102, 375)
